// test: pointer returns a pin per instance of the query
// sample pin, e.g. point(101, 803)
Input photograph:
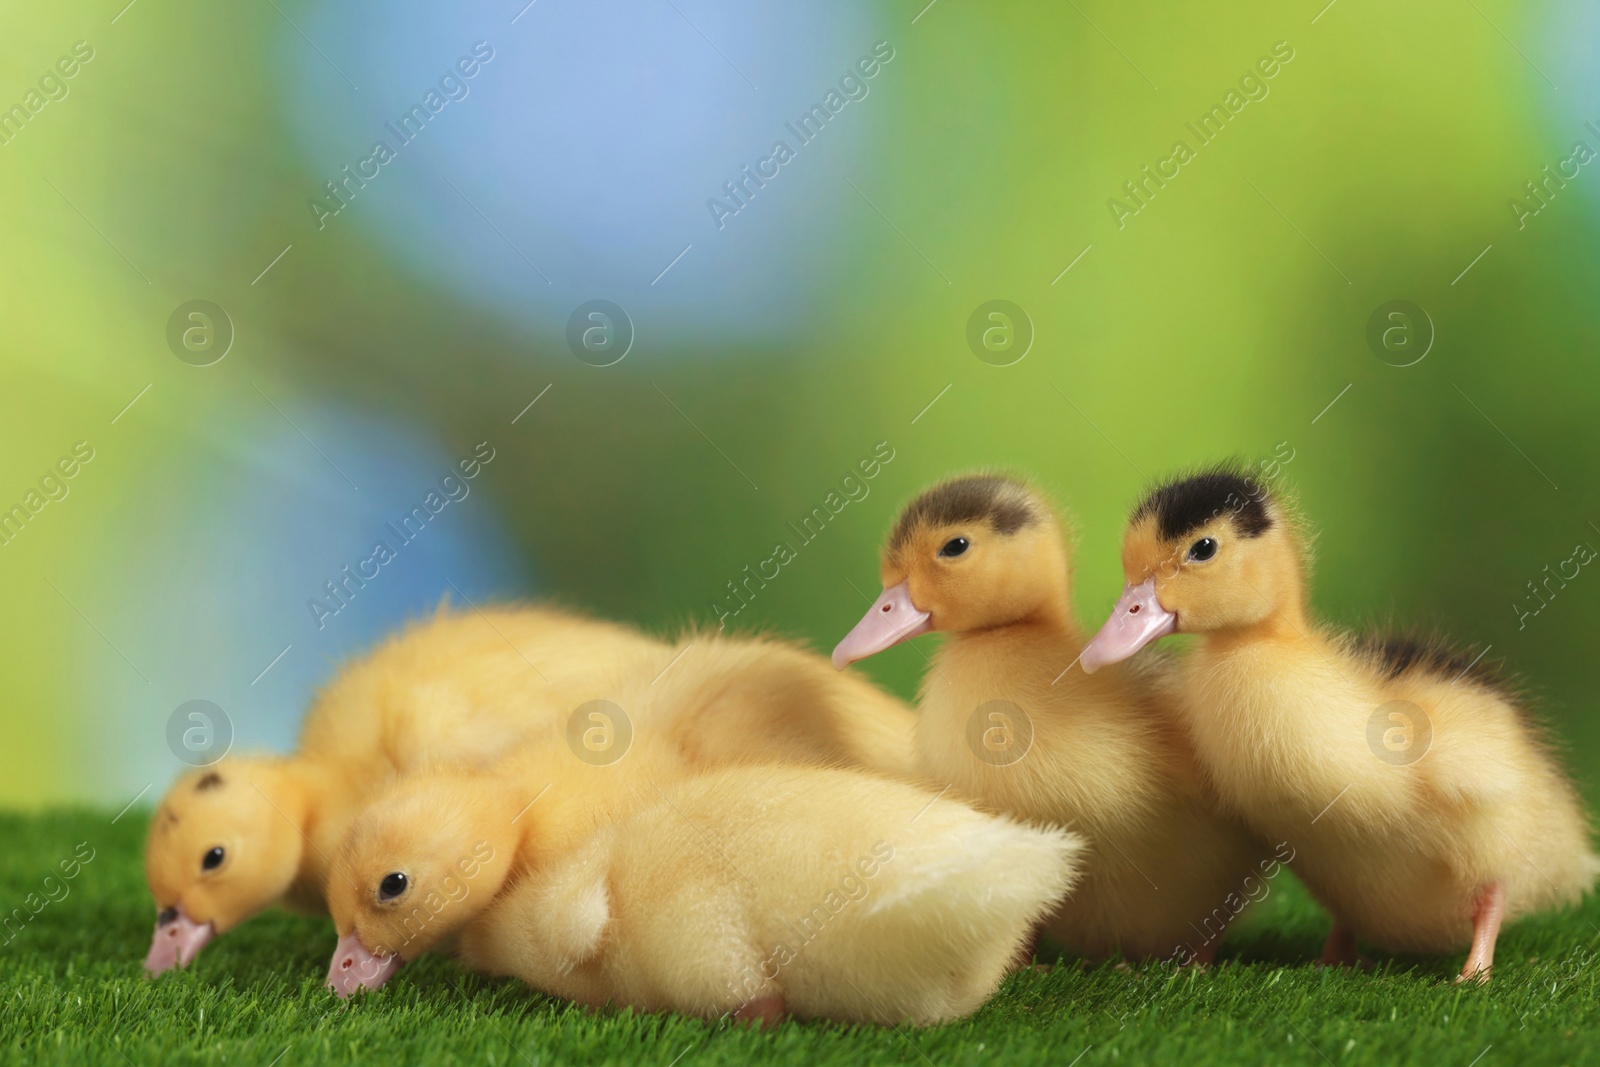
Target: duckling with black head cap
point(1007, 720)
point(1423, 806)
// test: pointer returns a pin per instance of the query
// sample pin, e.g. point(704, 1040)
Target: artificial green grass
point(72, 991)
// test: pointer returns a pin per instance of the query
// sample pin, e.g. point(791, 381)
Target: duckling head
point(1207, 552)
point(415, 867)
point(971, 553)
point(223, 846)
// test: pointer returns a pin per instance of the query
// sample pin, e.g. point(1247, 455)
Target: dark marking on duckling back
point(209, 780)
point(1002, 502)
point(1186, 504)
point(1398, 654)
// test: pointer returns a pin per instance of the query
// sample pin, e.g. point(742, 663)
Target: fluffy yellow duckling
point(716, 702)
point(231, 839)
point(1422, 804)
point(766, 892)
point(432, 851)
point(1010, 723)
point(724, 700)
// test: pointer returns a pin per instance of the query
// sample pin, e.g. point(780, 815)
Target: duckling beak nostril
point(177, 940)
point(893, 618)
point(353, 968)
point(1137, 620)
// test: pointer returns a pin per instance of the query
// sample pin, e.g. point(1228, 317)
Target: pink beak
point(893, 618)
point(354, 968)
point(1137, 620)
point(178, 940)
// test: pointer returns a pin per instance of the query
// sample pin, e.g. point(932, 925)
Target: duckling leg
point(1340, 948)
point(762, 1012)
point(1486, 917)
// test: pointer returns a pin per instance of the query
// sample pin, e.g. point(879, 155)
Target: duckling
point(726, 699)
point(1007, 720)
point(1423, 806)
point(766, 892)
point(430, 853)
point(718, 701)
point(231, 839)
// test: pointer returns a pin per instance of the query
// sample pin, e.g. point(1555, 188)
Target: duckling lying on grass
point(428, 856)
point(1008, 720)
point(234, 838)
point(716, 702)
point(753, 892)
point(1423, 804)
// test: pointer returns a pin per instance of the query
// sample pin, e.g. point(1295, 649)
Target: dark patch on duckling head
point(1004, 503)
point(1186, 504)
point(209, 780)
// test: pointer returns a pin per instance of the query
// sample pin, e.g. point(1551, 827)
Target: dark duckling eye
point(954, 547)
point(1203, 549)
point(213, 858)
point(394, 884)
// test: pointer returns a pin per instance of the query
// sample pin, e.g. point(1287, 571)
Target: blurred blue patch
point(232, 547)
point(1568, 58)
point(578, 162)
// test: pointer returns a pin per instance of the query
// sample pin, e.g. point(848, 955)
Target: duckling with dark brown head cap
point(1423, 806)
point(231, 840)
point(1011, 724)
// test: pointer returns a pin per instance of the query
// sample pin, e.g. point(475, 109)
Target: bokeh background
point(374, 348)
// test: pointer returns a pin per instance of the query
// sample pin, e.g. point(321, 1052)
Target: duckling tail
point(968, 891)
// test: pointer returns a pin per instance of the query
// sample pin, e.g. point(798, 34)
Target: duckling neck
point(1287, 625)
point(1040, 639)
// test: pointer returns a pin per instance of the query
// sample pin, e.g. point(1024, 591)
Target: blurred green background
point(780, 348)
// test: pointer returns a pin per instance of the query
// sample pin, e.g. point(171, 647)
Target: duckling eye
point(212, 859)
point(954, 547)
point(393, 885)
point(1203, 549)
